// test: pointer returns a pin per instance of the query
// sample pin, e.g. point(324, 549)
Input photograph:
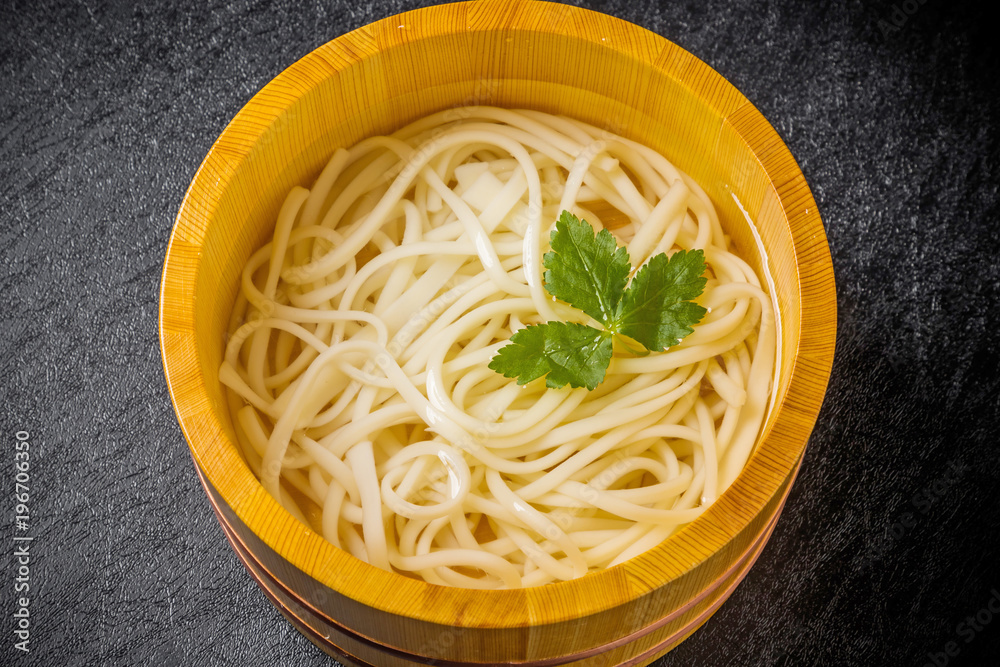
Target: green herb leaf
point(570, 353)
point(590, 273)
point(656, 309)
point(586, 271)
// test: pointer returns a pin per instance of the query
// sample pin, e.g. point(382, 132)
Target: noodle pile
point(359, 343)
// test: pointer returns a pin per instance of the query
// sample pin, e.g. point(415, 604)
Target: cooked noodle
point(358, 351)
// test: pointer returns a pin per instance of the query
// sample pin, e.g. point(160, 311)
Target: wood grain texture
point(514, 54)
point(348, 645)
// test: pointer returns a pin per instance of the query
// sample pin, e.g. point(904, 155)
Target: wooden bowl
point(518, 54)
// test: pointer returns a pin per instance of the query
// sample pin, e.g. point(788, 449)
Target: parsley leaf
point(569, 352)
point(588, 272)
point(656, 308)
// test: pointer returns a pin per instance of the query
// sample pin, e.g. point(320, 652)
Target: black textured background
point(889, 538)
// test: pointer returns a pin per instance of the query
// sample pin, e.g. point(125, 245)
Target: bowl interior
point(552, 58)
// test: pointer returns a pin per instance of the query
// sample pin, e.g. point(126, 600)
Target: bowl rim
point(794, 416)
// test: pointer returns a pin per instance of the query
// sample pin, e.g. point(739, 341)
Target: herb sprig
point(590, 273)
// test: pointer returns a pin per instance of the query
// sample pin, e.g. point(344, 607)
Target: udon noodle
point(357, 359)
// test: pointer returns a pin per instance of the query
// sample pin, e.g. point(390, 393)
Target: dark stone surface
point(888, 543)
